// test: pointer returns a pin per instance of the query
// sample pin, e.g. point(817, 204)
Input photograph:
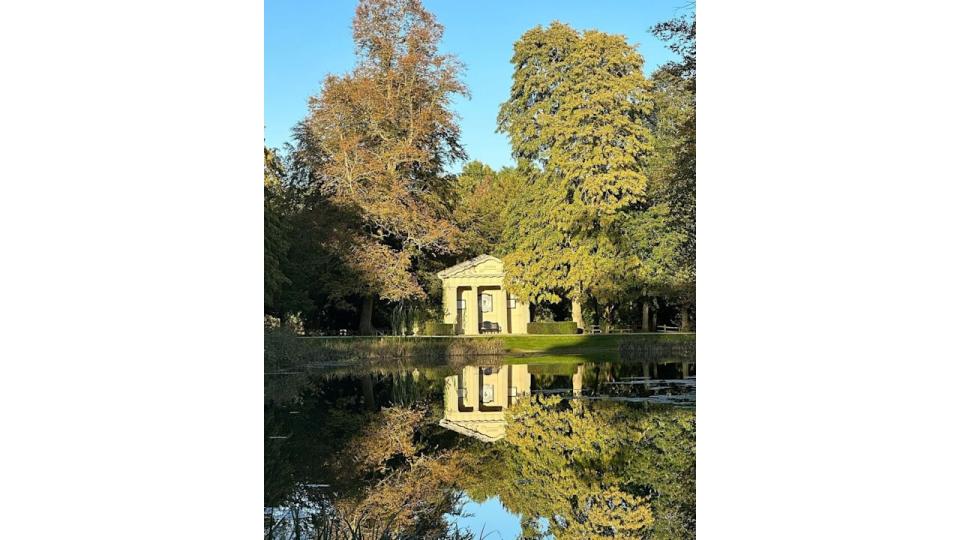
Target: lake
point(482, 447)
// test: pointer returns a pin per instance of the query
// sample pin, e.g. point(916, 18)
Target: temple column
point(469, 387)
point(451, 397)
point(519, 382)
point(500, 308)
point(577, 381)
point(577, 314)
point(521, 317)
point(471, 320)
point(450, 304)
point(525, 316)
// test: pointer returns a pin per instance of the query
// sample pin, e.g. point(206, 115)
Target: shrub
point(561, 327)
point(270, 322)
point(434, 328)
point(294, 323)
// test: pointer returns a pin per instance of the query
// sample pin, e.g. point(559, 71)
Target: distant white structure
point(475, 300)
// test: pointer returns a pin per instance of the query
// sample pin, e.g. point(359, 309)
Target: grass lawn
point(581, 343)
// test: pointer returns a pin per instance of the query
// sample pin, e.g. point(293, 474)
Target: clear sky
point(490, 518)
point(305, 40)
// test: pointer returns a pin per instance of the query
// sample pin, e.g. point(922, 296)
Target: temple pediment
point(482, 266)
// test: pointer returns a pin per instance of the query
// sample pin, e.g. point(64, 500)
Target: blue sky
point(306, 40)
point(490, 517)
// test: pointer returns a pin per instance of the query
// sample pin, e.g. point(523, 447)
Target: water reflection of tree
point(364, 453)
point(407, 481)
point(594, 469)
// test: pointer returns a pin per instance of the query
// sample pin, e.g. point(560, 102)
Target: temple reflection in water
point(474, 400)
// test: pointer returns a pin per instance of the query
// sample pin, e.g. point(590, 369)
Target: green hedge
point(434, 328)
point(560, 327)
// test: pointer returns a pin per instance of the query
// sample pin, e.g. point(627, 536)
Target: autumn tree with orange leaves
point(379, 139)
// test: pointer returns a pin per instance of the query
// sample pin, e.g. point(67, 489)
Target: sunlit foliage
point(574, 118)
point(378, 140)
point(598, 217)
point(596, 469)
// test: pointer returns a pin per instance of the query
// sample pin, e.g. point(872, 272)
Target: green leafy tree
point(647, 243)
point(275, 243)
point(675, 125)
point(574, 119)
point(483, 205)
point(656, 239)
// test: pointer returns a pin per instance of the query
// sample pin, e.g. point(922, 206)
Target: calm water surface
point(482, 447)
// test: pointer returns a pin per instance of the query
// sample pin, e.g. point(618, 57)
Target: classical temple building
point(476, 301)
point(474, 401)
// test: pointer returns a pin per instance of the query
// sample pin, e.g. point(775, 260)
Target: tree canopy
point(574, 118)
point(380, 137)
point(599, 209)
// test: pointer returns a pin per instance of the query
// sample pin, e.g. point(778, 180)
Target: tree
point(647, 243)
point(476, 211)
point(654, 241)
point(677, 129)
point(275, 243)
point(681, 32)
point(481, 211)
point(378, 140)
point(574, 119)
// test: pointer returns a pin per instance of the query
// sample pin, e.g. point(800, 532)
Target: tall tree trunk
point(366, 317)
point(577, 314)
point(685, 325)
point(645, 317)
